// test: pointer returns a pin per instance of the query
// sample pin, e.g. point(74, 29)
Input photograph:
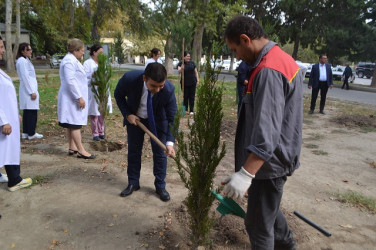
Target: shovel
point(227, 206)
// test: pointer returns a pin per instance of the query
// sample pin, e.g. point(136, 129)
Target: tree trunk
point(373, 83)
point(296, 47)
point(169, 55)
point(197, 44)
point(8, 36)
point(18, 29)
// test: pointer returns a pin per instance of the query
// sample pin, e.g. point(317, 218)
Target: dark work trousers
point(135, 137)
point(323, 88)
point(189, 97)
point(13, 172)
point(346, 82)
point(240, 89)
point(29, 121)
point(265, 223)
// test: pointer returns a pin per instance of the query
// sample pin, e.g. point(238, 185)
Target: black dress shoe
point(310, 112)
point(129, 190)
point(79, 155)
point(163, 194)
point(322, 112)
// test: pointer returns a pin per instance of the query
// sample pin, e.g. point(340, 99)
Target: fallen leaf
point(115, 215)
point(318, 200)
point(162, 247)
point(346, 226)
point(345, 181)
point(111, 224)
point(55, 242)
point(65, 230)
point(13, 245)
point(161, 233)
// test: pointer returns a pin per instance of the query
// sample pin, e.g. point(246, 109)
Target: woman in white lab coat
point(10, 147)
point(96, 119)
point(28, 92)
point(72, 98)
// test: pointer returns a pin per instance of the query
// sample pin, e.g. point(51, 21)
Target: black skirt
point(71, 126)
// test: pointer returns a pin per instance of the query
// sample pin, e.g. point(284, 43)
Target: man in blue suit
point(320, 79)
point(132, 93)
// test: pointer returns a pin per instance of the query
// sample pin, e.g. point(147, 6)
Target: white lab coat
point(28, 84)
point(10, 147)
point(151, 60)
point(73, 86)
point(90, 67)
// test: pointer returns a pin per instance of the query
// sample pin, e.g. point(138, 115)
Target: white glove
point(237, 183)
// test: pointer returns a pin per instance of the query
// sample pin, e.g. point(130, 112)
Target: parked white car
point(338, 72)
point(226, 65)
point(55, 61)
point(175, 63)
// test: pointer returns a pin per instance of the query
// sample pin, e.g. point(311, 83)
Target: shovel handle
point(160, 144)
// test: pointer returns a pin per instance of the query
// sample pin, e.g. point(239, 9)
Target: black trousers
point(346, 82)
point(189, 97)
point(265, 223)
point(13, 172)
point(323, 88)
point(29, 121)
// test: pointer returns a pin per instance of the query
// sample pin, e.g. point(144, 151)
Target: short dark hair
point(21, 48)
point(186, 53)
point(155, 71)
point(94, 48)
point(243, 25)
point(321, 55)
point(154, 51)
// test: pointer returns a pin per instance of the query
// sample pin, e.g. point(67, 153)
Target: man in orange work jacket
point(269, 133)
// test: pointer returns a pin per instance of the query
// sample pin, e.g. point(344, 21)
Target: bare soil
point(75, 203)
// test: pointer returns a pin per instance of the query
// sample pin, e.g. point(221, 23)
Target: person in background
point(155, 54)
point(10, 145)
point(96, 119)
point(320, 79)
point(269, 133)
point(28, 92)
point(191, 81)
point(242, 81)
point(147, 97)
point(347, 74)
point(72, 98)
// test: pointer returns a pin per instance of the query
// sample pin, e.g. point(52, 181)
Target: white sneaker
point(3, 178)
point(24, 183)
point(35, 136)
point(24, 136)
point(191, 113)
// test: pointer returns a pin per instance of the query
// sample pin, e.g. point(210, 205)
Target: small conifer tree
point(202, 150)
point(101, 86)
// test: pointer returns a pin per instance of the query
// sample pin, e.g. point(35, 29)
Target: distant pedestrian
point(28, 92)
point(191, 81)
point(96, 118)
point(320, 79)
point(347, 74)
point(155, 54)
point(10, 145)
point(242, 81)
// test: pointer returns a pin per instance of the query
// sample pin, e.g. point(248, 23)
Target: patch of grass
point(319, 152)
point(39, 179)
point(308, 122)
point(358, 200)
point(314, 137)
point(309, 145)
point(339, 131)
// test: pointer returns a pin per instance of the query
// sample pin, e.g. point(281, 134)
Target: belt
point(323, 81)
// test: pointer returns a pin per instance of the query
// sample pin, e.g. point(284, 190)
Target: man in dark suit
point(320, 79)
point(347, 74)
point(132, 94)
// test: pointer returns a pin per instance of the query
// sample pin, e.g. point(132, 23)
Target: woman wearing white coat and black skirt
point(28, 92)
point(72, 98)
point(10, 145)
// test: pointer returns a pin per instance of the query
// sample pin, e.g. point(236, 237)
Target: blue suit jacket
point(128, 96)
point(315, 75)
